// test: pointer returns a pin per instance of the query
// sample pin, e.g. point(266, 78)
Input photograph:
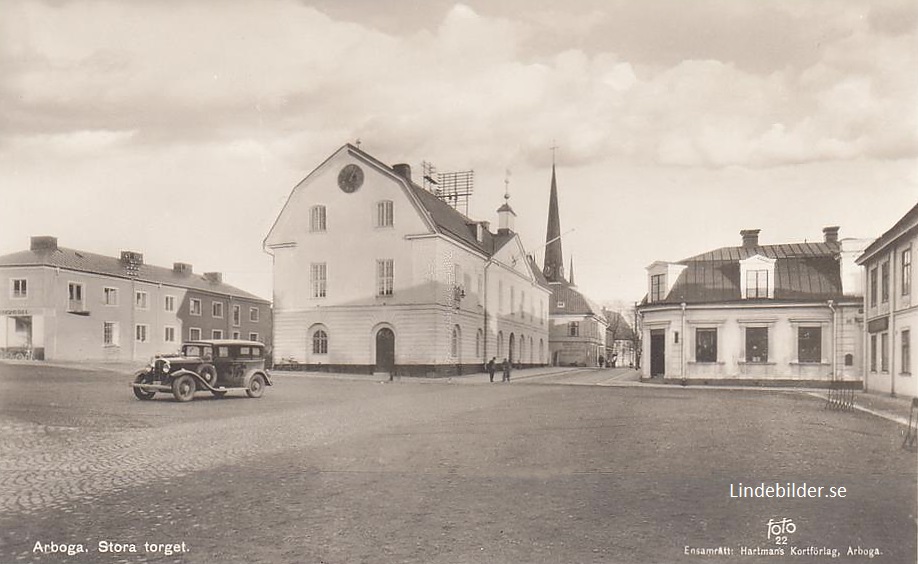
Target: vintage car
point(218, 366)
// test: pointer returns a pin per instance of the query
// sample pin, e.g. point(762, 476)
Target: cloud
point(289, 78)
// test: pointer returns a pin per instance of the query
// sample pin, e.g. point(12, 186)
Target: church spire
point(554, 260)
point(571, 273)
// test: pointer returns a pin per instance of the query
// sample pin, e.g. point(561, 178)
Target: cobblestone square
point(356, 470)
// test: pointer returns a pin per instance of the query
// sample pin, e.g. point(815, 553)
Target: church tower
point(554, 260)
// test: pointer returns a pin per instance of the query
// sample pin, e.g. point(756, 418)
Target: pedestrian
point(602, 361)
point(614, 359)
point(506, 377)
point(491, 366)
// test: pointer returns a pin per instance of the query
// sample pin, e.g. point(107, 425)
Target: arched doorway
point(510, 350)
point(385, 350)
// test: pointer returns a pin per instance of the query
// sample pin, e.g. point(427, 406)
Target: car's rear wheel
point(183, 388)
point(256, 386)
point(142, 394)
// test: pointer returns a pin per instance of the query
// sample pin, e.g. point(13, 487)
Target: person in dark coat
point(506, 377)
point(491, 366)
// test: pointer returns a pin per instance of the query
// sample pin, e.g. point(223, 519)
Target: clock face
point(350, 178)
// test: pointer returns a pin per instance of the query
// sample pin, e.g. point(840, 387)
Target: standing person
point(506, 377)
point(491, 366)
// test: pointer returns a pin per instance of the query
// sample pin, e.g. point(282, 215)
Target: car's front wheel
point(183, 388)
point(142, 394)
point(256, 386)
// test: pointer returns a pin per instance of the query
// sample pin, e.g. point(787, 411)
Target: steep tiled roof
point(575, 303)
point(803, 271)
point(100, 264)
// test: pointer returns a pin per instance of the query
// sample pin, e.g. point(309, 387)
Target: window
point(253, 313)
point(236, 335)
point(455, 341)
point(140, 299)
point(512, 299)
point(809, 344)
point(384, 213)
point(884, 352)
point(194, 307)
point(873, 353)
point(884, 281)
point(500, 296)
point(756, 344)
point(19, 288)
point(319, 342)
point(110, 335)
point(906, 272)
point(169, 334)
point(500, 344)
point(194, 334)
point(573, 329)
point(169, 303)
point(318, 279)
point(317, 218)
point(906, 352)
point(756, 284)
point(110, 296)
point(523, 304)
point(384, 277)
point(217, 309)
point(873, 287)
point(657, 287)
point(237, 315)
point(216, 334)
point(140, 333)
point(478, 344)
point(706, 345)
point(75, 292)
point(253, 336)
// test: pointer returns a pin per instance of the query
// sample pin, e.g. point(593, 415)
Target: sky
point(178, 129)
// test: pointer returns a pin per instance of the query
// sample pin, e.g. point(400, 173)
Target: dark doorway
point(385, 350)
point(512, 343)
point(657, 352)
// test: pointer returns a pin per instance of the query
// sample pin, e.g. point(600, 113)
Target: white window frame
point(385, 278)
point(23, 292)
point(254, 314)
point(141, 328)
point(318, 280)
point(143, 298)
point(194, 304)
point(236, 335)
point(166, 336)
point(213, 309)
point(253, 337)
point(169, 303)
point(115, 334)
point(110, 296)
point(191, 331)
point(82, 299)
point(237, 315)
point(385, 214)
point(216, 333)
point(318, 219)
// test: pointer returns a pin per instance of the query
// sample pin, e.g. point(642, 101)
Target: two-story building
point(373, 273)
point(785, 314)
point(66, 304)
point(891, 309)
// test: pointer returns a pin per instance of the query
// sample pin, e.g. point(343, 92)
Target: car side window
point(256, 351)
point(244, 351)
point(223, 351)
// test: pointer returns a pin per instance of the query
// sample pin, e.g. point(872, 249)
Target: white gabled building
point(372, 273)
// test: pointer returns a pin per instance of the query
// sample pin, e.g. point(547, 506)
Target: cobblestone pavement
point(351, 470)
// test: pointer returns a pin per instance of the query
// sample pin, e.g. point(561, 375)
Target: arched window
point(530, 349)
point(320, 342)
point(541, 351)
point(456, 342)
point(317, 218)
point(478, 344)
point(500, 344)
point(521, 355)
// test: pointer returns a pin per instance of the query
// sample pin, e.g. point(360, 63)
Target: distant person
point(614, 359)
point(602, 361)
point(491, 367)
point(506, 377)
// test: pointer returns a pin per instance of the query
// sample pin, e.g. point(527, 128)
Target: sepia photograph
point(458, 281)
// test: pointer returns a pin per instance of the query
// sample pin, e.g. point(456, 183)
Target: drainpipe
point(682, 346)
point(484, 300)
point(831, 305)
point(892, 321)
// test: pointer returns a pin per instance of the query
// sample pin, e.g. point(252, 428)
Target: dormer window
point(657, 287)
point(757, 274)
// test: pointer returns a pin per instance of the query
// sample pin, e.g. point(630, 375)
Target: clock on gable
point(350, 178)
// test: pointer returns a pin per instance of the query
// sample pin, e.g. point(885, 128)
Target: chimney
point(181, 268)
point(831, 233)
point(132, 258)
point(43, 243)
point(403, 170)
point(214, 277)
point(750, 237)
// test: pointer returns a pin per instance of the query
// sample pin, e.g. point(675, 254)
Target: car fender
point(264, 374)
point(197, 378)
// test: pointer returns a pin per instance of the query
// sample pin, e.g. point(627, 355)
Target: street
point(356, 470)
